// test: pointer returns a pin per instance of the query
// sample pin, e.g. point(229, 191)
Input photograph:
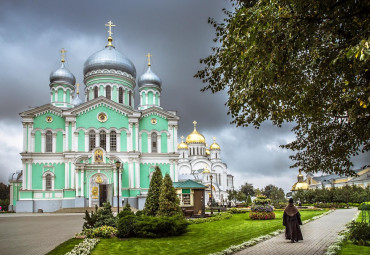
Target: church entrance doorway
point(103, 194)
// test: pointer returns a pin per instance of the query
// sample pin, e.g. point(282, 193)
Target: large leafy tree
point(305, 62)
point(152, 201)
point(247, 189)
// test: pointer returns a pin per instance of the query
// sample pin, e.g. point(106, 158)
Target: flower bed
point(261, 210)
point(262, 215)
point(84, 248)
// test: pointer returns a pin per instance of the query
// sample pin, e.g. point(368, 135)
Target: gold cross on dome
point(195, 123)
point(63, 51)
point(214, 139)
point(110, 25)
point(148, 56)
point(182, 138)
point(78, 88)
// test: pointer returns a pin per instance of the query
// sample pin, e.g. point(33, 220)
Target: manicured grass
point(348, 248)
point(65, 247)
point(202, 238)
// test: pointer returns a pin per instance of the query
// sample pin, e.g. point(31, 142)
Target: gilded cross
point(182, 138)
point(148, 56)
point(78, 88)
point(110, 25)
point(195, 123)
point(63, 51)
point(214, 139)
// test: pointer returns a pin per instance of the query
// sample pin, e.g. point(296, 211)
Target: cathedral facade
point(81, 153)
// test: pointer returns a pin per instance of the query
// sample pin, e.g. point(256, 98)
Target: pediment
point(47, 108)
point(158, 111)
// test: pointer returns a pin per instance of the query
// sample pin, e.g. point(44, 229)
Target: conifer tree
point(169, 204)
point(249, 201)
point(152, 200)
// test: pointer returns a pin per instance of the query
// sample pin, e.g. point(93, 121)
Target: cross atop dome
point(63, 51)
point(149, 56)
point(195, 124)
point(182, 138)
point(78, 88)
point(110, 39)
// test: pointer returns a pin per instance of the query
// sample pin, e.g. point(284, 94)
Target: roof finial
point(214, 139)
point(182, 138)
point(148, 56)
point(63, 51)
point(78, 88)
point(195, 124)
point(110, 39)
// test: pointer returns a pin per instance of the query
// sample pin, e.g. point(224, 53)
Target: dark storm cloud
point(177, 35)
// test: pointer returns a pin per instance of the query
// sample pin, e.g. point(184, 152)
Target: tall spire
point(110, 39)
point(63, 51)
point(149, 56)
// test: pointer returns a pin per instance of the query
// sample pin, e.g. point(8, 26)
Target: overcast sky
point(176, 33)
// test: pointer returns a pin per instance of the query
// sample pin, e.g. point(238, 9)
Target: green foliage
point(231, 194)
point(262, 215)
point(103, 232)
point(105, 216)
point(90, 219)
point(347, 194)
point(4, 192)
point(152, 201)
point(169, 204)
point(4, 204)
point(217, 217)
point(249, 201)
point(261, 200)
point(303, 62)
point(139, 213)
point(359, 232)
point(126, 211)
point(240, 196)
point(236, 211)
point(149, 226)
point(247, 189)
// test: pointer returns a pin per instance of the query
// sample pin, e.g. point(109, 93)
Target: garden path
point(317, 236)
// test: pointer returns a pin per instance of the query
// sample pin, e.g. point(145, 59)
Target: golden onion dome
point(214, 145)
point(206, 170)
point(182, 145)
point(195, 136)
point(300, 185)
point(208, 152)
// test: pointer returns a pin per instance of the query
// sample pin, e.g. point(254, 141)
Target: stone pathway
point(36, 234)
point(317, 236)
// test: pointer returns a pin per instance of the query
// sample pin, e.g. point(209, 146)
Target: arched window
point(113, 141)
point(96, 92)
point(48, 182)
point(120, 95)
point(91, 140)
point(129, 98)
point(49, 141)
point(103, 140)
point(154, 142)
point(108, 92)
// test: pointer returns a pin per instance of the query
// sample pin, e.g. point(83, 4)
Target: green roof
point(188, 184)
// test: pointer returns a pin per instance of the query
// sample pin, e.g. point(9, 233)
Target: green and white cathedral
point(71, 146)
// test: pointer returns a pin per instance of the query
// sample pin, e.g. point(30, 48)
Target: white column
point(131, 174)
point(43, 142)
point(137, 174)
point(29, 176)
point(137, 135)
point(107, 139)
point(149, 143)
point(51, 96)
point(24, 184)
point(97, 139)
point(82, 184)
point(115, 183)
point(176, 172)
point(77, 183)
point(30, 144)
point(74, 137)
point(169, 145)
point(159, 145)
point(24, 138)
point(73, 176)
point(140, 143)
point(154, 98)
point(175, 139)
point(66, 137)
point(54, 149)
point(118, 141)
point(66, 179)
point(64, 96)
point(159, 99)
point(146, 98)
point(86, 142)
point(129, 138)
point(171, 171)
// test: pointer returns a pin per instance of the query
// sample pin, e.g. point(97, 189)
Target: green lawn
point(349, 248)
point(202, 238)
point(65, 247)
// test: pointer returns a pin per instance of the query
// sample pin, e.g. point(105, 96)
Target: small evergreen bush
point(127, 226)
point(90, 219)
point(359, 233)
point(105, 216)
point(126, 211)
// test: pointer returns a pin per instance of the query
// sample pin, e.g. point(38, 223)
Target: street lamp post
point(118, 165)
point(211, 177)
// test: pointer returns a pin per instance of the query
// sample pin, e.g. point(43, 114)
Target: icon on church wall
point(94, 192)
point(153, 121)
point(102, 117)
point(98, 179)
point(49, 119)
point(98, 156)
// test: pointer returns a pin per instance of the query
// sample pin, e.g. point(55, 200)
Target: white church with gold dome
point(204, 165)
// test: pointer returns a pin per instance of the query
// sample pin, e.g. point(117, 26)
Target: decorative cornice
point(109, 71)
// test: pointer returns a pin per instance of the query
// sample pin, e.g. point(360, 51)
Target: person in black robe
point(291, 221)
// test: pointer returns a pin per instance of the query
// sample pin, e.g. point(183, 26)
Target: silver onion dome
point(149, 78)
point(109, 58)
point(62, 74)
point(77, 100)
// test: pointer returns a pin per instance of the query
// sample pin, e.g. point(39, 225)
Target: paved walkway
point(36, 234)
point(317, 236)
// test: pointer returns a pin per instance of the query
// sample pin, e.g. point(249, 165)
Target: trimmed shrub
point(217, 217)
point(127, 226)
point(126, 211)
point(105, 216)
point(236, 211)
point(103, 232)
